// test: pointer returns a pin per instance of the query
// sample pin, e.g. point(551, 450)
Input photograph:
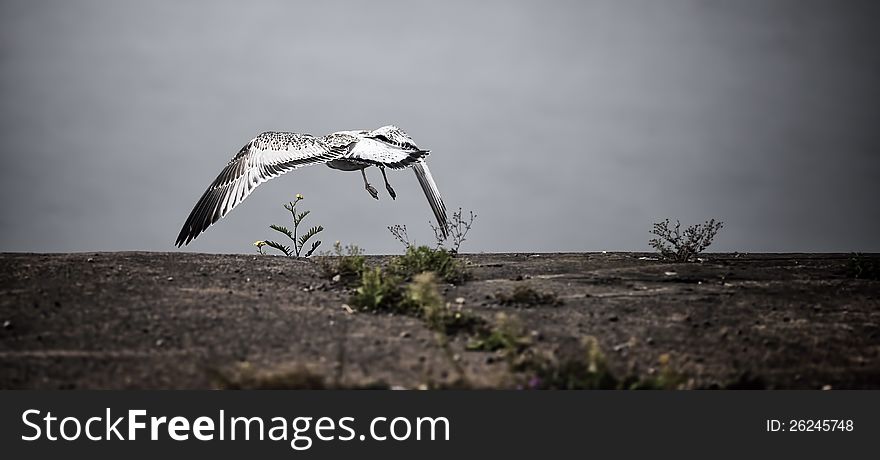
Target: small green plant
point(382, 291)
point(299, 242)
point(422, 295)
point(674, 245)
point(860, 266)
point(456, 229)
point(347, 262)
point(585, 368)
point(378, 291)
point(418, 259)
point(283, 377)
point(666, 378)
point(506, 334)
point(525, 296)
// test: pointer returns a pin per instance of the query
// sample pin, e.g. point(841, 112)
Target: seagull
point(272, 154)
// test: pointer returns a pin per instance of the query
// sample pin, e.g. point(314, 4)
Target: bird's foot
point(391, 191)
point(372, 191)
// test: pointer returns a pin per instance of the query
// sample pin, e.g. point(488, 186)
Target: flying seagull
point(272, 154)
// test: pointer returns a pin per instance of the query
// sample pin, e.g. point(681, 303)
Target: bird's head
point(393, 135)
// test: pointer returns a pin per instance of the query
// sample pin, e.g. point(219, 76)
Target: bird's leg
point(369, 187)
point(387, 185)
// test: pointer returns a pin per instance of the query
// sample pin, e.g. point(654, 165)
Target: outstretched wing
point(268, 155)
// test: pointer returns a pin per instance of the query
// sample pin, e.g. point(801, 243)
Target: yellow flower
point(663, 359)
point(259, 244)
point(299, 196)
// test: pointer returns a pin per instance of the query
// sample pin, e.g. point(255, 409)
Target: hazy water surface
point(567, 126)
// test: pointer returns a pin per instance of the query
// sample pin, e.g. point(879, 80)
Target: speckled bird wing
point(268, 155)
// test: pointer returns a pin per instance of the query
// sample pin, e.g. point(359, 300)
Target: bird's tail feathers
point(423, 174)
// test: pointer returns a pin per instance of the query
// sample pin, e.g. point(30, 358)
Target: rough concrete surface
point(183, 320)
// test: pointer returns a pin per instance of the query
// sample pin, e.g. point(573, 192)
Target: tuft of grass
point(347, 262)
point(666, 378)
point(379, 291)
point(249, 377)
point(506, 334)
point(585, 369)
point(860, 266)
point(674, 245)
point(423, 296)
point(525, 296)
point(299, 241)
point(419, 259)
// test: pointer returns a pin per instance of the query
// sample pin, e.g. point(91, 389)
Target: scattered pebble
point(7, 324)
point(670, 273)
point(459, 300)
point(90, 260)
point(347, 308)
point(336, 278)
point(405, 335)
point(170, 278)
point(826, 387)
point(159, 342)
point(649, 341)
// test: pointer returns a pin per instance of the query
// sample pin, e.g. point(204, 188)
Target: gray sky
point(566, 126)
